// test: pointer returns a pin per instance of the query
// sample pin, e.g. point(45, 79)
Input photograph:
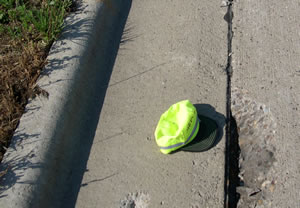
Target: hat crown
point(176, 125)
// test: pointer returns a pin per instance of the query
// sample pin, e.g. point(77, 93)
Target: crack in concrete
point(231, 180)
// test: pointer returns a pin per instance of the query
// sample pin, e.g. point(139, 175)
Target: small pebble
point(272, 187)
point(263, 185)
point(224, 3)
point(260, 202)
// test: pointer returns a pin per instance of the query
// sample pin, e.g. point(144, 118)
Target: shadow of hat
point(206, 136)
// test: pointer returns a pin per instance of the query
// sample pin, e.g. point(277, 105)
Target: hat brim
point(206, 137)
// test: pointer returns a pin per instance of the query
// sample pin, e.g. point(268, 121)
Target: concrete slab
point(266, 64)
point(171, 50)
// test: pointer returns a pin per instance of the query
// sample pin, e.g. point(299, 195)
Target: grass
point(33, 20)
point(27, 31)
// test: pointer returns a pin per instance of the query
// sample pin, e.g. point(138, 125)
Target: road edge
point(49, 150)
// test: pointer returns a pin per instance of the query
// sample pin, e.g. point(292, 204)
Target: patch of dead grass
point(20, 67)
point(21, 62)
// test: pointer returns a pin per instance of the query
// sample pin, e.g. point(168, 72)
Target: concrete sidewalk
point(171, 50)
point(266, 65)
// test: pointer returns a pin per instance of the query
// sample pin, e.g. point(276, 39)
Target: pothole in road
point(255, 126)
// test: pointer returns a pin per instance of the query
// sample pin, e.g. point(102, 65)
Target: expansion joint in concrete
point(231, 145)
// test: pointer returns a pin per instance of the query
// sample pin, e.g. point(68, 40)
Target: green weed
point(39, 21)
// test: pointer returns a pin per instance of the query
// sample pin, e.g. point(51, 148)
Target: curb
point(48, 153)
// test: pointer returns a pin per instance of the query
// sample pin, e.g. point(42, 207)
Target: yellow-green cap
point(177, 126)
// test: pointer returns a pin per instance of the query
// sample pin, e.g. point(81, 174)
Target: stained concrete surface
point(171, 50)
point(266, 71)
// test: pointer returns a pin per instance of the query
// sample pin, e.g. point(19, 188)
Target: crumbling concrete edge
point(48, 153)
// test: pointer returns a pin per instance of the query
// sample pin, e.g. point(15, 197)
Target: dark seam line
point(228, 18)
